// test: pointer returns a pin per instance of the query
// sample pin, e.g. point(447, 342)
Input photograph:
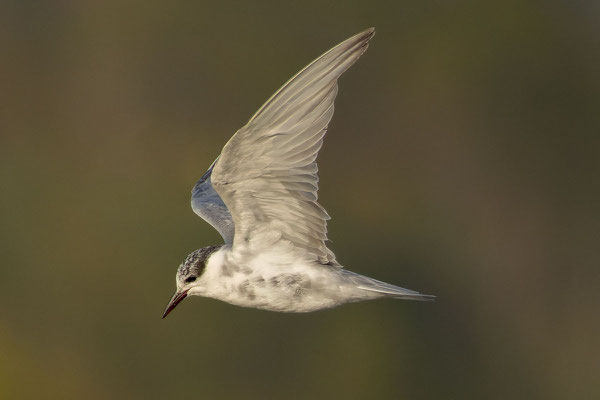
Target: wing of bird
point(267, 172)
point(209, 206)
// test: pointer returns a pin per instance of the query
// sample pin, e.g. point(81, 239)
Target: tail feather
point(397, 292)
point(388, 290)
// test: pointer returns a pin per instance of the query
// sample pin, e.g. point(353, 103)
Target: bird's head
point(189, 275)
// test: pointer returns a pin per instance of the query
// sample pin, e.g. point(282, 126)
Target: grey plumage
point(207, 203)
point(195, 262)
point(267, 172)
point(261, 195)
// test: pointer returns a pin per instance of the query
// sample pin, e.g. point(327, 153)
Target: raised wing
point(267, 173)
point(209, 206)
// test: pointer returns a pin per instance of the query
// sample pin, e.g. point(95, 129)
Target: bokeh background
point(462, 162)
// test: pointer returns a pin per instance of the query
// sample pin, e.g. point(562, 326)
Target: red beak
point(176, 299)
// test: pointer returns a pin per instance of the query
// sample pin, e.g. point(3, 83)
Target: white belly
point(275, 283)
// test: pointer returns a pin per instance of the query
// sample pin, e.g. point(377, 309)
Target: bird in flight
point(260, 194)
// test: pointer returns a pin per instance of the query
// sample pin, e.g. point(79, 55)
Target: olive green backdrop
point(462, 161)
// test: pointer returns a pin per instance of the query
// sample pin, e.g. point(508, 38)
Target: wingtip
point(361, 40)
point(367, 34)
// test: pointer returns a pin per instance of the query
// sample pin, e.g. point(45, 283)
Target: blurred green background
point(462, 162)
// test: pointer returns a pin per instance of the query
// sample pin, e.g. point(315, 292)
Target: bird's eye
point(190, 279)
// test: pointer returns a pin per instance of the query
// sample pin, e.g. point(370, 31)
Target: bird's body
point(275, 280)
point(280, 279)
point(261, 195)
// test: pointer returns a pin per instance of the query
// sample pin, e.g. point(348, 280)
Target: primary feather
point(267, 172)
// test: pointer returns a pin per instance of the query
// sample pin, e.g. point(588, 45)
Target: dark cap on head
point(188, 272)
point(194, 264)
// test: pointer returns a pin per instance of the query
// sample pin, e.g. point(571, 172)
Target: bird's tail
point(388, 290)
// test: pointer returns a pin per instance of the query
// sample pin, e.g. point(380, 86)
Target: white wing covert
point(267, 172)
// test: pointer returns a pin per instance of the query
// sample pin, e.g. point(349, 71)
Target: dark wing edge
point(207, 203)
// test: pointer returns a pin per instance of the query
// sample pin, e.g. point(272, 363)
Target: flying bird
point(260, 194)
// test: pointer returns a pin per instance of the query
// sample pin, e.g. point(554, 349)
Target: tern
point(260, 194)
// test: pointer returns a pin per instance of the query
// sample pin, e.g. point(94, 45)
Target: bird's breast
point(275, 281)
point(293, 291)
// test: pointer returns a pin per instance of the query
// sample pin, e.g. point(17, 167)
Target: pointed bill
point(176, 299)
